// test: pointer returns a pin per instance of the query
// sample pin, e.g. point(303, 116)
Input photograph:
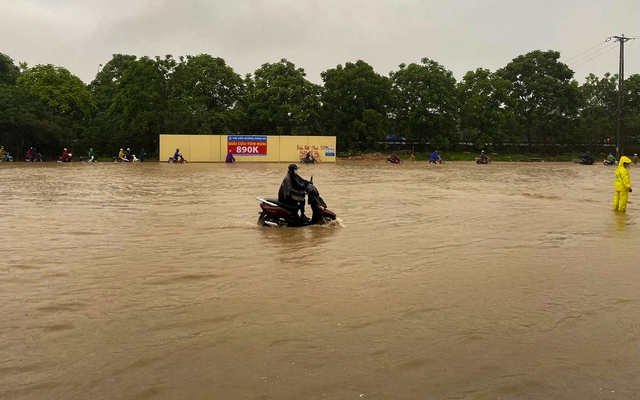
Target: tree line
point(534, 99)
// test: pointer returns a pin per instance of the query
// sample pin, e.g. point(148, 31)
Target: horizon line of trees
point(533, 99)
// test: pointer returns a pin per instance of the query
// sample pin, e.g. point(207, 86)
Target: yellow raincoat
point(622, 185)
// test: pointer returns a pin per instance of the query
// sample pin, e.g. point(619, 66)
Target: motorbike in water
point(180, 160)
point(483, 161)
point(436, 161)
point(587, 161)
point(124, 159)
point(607, 162)
point(277, 214)
point(310, 160)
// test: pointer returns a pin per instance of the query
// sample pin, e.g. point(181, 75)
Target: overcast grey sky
point(320, 34)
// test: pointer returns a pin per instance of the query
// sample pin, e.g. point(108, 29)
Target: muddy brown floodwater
point(455, 281)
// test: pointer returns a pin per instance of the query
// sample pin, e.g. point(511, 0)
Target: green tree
point(25, 121)
point(140, 102)
point(632, 110)
point(65, 93)
point(425, 103)
point(279, 100)
point(66, 96)
point(547, 99)
point(484, 117)
point(105, 133)
point(356, 102)
point(204, 92)
point(599, 114)
point(9, 72)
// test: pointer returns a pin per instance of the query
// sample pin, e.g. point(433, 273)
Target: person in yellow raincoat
point(622, 185)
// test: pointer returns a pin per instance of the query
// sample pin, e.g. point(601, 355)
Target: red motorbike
point(277, 214)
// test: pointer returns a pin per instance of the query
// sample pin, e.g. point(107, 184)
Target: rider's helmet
point(120, 149)
point(65, 149)
point(128, 149)
point(482, 151)
point(292, 167)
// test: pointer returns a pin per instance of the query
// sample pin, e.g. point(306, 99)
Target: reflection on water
point(621, 220)
point(468, 281)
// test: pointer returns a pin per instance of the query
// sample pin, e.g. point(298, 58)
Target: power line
point(580, 62)
point(577, 55)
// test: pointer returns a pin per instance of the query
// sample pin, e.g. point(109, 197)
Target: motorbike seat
point(290, 208)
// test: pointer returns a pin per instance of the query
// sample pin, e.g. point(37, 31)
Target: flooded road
point(455, 281)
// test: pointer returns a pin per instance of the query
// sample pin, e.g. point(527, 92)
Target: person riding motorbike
point(3, 152)
point(587, 159)
point(483, 157)
point(611, 160)
point(293, 189)
point(121, 155)
point(35, 156)
point(394, 158)
point(127, 154)
point(435, 157)
point(230, 158)
point(90, 156)
point(66, 156)
point(176, 155)
point(309, 158)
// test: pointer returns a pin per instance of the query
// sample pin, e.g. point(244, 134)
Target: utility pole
point(622, 40)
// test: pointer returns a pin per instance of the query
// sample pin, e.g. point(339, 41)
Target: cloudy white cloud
point(318, 34)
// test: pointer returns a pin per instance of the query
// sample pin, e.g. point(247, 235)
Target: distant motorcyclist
point(293, 189)
point(33, 155)
point(611, 159)
point(66, 156)
point(176, 155)
point(3, 153)
point(121, 155)
point(230, 157)
point(587, 159)
point(394, 158)
point(309, 158)
point(435, 157)
point(90, 155)
point(483, 157)
point(127, 154)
